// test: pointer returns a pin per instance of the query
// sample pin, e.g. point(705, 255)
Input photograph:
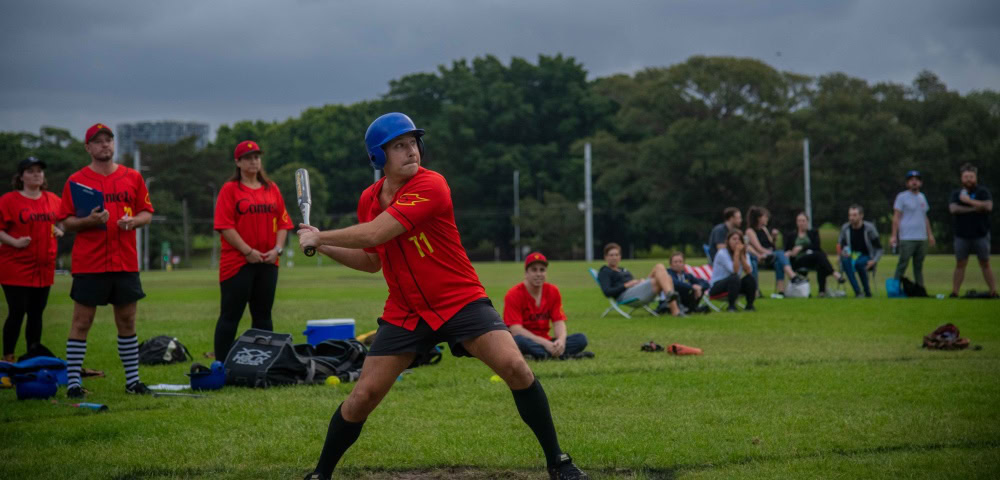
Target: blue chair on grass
point(617, 306)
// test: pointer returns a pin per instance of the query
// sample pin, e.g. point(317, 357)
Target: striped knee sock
point(128, 350)
point(75, 351)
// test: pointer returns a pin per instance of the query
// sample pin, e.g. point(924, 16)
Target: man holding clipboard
point(104, 203)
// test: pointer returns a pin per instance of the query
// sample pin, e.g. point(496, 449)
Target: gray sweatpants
point(916, 249)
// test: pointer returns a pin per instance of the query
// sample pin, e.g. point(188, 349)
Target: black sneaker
point(75, 391)
point(316, 476)
point(750, 308)
point(566, 470)
point(138, 388)
point(732, 310)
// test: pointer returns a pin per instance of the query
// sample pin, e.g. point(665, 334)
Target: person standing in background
point(911, 229)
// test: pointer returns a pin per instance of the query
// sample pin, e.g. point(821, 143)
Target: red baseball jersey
point(256, 213)
point(20, 216)
point(97, 250)
point(428, 273)
point(519, 308)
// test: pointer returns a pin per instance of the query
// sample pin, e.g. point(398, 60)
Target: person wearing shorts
point(618, 283)
point(105, 266)
point(971, 206)
point(407, 230)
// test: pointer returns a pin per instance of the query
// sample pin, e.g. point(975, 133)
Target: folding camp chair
point(715, 302)
point(617, 306)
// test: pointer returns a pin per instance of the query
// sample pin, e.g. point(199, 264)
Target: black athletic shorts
point(116, 288)
point(475, 319)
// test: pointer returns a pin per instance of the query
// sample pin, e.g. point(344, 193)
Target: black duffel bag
point(262, 359)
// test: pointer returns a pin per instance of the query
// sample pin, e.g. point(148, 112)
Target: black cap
point(29, 162)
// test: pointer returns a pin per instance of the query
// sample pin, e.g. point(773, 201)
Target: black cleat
point(76, 391)
point(566, 470)
point(315, 476)
point(138, 388)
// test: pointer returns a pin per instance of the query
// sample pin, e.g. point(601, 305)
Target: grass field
point(820, 388)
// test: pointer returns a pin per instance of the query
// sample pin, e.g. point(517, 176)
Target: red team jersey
point(97, 250)
point(20, 216)
point(426, 268)
point(519, 308)
point(256, 214)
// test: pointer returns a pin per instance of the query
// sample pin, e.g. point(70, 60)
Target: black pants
point(21, 301)
point(815, 261)
point(688, 299)
point(255, 284)
point(734, 286)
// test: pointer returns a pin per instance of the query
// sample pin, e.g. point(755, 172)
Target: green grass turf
point(819, 388)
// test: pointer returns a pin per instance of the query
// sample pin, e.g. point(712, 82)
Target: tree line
point(672, 147)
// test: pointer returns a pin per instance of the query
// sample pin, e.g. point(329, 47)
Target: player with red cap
point(250, 216)
point(531, 307)
point(105, 265)
point(407, 230)
point(28, 234)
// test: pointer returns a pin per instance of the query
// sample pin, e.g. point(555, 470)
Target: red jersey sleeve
point(225, 212)
point(364, 206)
point(5, 217)
point(284, 220)
point(68, 209)
point(420, 199)
point(556, 309)
point(142, 202)
point(512, 307)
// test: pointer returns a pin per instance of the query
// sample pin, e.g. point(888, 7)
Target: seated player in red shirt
point(407, 230)
point(529, 308)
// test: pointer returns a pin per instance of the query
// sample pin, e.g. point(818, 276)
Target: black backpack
point(162, 350)
point(911, 289)
point(260, 358)
point(430, 357)
point(340, 358)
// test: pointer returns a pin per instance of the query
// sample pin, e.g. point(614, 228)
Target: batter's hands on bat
point(308, 236)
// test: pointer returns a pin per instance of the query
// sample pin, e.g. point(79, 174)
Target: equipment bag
point(945, 338)
point(260, 358)
point(911, 289)
point(430, 357)
point(335, 358)
point(797, 289)
point(163, 350)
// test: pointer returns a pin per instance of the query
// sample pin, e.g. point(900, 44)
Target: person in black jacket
point(803, 248)
point(689, 288)
point(618, 283)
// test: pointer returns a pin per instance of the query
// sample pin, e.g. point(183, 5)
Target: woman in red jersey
point(250, 214)
point(28, 234)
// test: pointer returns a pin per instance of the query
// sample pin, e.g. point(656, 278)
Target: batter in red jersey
point(407, 230)
point(105, 266)
point(533, 306)
point(28, 245)
point(251, 217)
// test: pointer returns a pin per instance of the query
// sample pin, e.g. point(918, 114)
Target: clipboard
point(85, 199)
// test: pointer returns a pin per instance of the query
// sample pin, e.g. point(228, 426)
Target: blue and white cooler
point(331, 328)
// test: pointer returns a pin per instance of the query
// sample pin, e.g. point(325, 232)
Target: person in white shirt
point(911, 230)
point(730, 264)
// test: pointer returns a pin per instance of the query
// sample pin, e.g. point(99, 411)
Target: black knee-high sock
point(339, 437)
point(533, 406)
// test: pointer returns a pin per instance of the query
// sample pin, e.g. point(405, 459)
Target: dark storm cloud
point(69, 63)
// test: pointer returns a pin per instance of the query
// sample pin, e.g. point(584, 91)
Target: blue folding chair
point(617, 306)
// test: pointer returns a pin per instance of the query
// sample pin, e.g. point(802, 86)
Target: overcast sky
point(70, 64)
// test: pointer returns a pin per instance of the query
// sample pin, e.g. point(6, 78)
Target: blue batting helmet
point(386, 128)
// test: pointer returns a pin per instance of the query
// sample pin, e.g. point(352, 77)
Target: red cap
point(245, 147)
point(94, 130)
point(535, 258)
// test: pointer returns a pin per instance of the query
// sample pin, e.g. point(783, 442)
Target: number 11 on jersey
point(416, 243)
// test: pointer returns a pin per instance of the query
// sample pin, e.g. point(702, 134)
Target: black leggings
point(254, 283)
point(21, 300)
point(734, 285)
point(815, 260)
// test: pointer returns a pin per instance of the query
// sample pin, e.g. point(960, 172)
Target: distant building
point(127, 135)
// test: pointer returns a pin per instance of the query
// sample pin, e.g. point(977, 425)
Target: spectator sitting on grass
point(860, 248)
point(689, 288)
point(731, 263)
point(618, 283)
point(531, 306)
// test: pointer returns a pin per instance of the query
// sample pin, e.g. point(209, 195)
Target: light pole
point(146, 234)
